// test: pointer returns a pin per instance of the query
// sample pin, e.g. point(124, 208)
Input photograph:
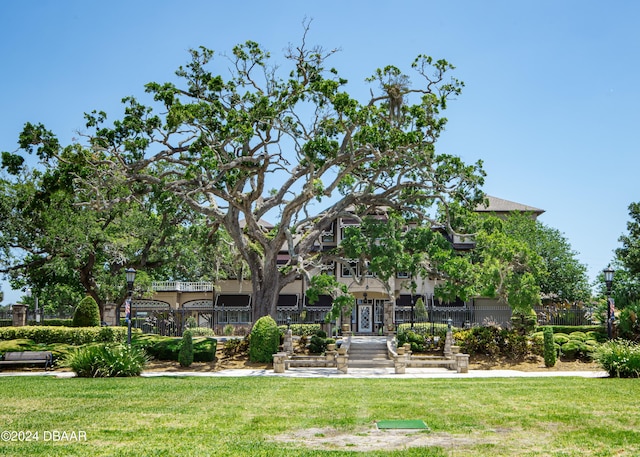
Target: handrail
point(197, 286)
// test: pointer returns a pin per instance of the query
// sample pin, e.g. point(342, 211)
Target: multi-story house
point(379, 306)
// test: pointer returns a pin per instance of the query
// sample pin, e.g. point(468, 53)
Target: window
point(329, 235)
point(350, 268)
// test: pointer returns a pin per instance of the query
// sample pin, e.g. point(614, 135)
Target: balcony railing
point(180, 286)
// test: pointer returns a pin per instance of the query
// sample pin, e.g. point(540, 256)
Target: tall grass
point(104, 361)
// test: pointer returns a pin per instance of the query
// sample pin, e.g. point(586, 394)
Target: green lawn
point(245, 416)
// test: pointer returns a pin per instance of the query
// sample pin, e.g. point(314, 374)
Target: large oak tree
point(241, 140)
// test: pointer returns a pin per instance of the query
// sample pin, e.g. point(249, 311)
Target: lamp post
point(608, 280)
point(412, 311)
point(131, 277)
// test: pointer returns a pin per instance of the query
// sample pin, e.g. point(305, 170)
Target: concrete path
point(411, 373)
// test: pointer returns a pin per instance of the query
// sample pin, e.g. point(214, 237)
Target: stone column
point(278, 362)
point(19, 315)
point(342, 363)
point(448, 342)
point(400, 363)
point(389, 317)
point(110, 314)
point(287, 346)
point(462, 363)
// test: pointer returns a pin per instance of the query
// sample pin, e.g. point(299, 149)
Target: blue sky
point(550, 103)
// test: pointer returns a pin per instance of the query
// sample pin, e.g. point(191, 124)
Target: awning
point(324, 301)
point(233, 301)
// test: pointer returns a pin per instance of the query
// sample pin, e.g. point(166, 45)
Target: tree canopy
point(61, 243)
point(290, 144)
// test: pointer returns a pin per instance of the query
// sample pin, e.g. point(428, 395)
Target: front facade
point(378, 309)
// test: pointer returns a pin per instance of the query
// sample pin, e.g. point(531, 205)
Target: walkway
point(354, 373)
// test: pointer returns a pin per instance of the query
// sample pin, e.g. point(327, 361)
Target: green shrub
point(317, 345)
point(524, 321)
point(106, 361)
point(620, 358)
point(234, 346)
point(580, 336)
point(185, 355)
point(202, 331)
point(67, 335)
point(573, 349)
point(301, 329)
point(549, 348)
point(87, 313)
point(629, 323)
point(54, 322)
point(561, 338)
point(264, 340)
point(168, 348)
point(228, 329)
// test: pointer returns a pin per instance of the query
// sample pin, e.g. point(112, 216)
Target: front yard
point(310, 417)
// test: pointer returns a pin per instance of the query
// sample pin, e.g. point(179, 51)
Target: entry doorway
point(365, 317)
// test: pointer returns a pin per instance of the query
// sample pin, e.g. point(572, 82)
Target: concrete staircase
point(369, 352)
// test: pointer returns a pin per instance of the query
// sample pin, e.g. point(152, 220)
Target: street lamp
point(131, 277)
point(608, 280)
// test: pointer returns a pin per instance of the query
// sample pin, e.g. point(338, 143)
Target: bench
point(28, 358)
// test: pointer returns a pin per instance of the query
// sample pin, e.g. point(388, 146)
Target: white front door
point(365, 318)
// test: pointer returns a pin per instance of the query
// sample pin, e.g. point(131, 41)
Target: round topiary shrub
point(185, 356)
point(561, 338)
point(87, 313)
point(264, 340)
point(317, 345)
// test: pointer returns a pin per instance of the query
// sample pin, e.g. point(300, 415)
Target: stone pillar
point(448, 342)
point(19, 315)
point(389, 317)
point(342, 363)
point(287, 346)
point(462, 363)
point(400, 363)
point(278, 362)
point(110, 314)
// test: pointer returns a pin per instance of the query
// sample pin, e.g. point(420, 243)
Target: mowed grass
point(218, 416)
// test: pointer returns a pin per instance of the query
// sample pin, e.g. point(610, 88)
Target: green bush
point(549, 348)
point(87, 313)
point(106, 361)
point(629, 323)
point(168, 348)
point(301, 329)
point(620, 358)
point(524, 321)
point(580, 336)
point(185, 355)
point(67, 335)
point(234, 346)
point(53, 322)
point(561, 338)
point(202, 331)
point(317, 345)
point(264, 340)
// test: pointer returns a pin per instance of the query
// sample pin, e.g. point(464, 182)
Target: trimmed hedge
point(54, 322)
point(76, 336)
point(185, 353)
point(550, 352)
point(87, 313)
point(264, 340)
point(301, 329)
